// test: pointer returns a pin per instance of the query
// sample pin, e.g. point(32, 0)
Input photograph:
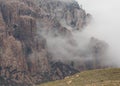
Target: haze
point(106, 24)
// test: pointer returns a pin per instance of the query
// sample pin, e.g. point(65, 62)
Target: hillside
point(24, 54)
point(38, 42)
point(102, 77)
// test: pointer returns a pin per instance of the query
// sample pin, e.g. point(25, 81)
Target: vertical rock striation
point(24, 58)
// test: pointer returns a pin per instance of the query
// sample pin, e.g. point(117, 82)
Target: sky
point(105, 25)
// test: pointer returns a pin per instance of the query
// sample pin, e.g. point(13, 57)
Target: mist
point(105, 25)
point(81, 46)
point(68, 48)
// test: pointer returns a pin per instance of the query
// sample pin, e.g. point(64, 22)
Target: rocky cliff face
point(24, 56)
point(66, 13)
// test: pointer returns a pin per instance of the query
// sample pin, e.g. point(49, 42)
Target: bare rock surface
point(24, 57)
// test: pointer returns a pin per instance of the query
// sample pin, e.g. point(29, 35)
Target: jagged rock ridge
point(24, 58)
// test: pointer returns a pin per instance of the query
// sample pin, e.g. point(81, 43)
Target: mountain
point(26, 25)
point(102, 77)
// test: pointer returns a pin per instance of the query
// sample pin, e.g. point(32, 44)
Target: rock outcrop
point(24, 58)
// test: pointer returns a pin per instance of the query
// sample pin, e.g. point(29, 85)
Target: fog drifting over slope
point(106, 14)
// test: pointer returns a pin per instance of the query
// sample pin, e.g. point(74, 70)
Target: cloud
point(82, 45)
point(106, 25)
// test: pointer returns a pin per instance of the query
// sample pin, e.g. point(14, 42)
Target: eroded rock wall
point(24, 57)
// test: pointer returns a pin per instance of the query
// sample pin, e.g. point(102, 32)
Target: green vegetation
point(102, 77)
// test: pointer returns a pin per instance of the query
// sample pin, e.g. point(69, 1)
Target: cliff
point(24, 55)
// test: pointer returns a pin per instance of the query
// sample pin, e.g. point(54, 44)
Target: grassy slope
point(103, 77)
